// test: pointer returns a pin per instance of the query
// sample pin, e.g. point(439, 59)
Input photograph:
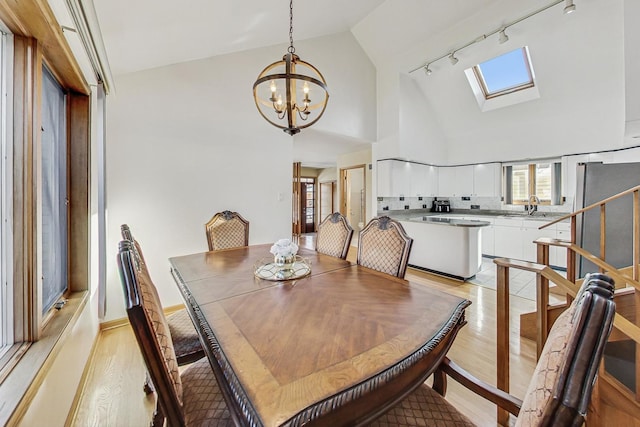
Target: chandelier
point(291, 94)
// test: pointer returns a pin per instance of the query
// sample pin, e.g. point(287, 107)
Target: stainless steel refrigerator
point(595, 182)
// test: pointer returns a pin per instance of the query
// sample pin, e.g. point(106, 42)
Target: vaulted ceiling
point(399, 35)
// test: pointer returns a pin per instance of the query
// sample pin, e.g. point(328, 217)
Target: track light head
point(569, 7)
point(503, 37)
point(453, 59)
point(427, 70)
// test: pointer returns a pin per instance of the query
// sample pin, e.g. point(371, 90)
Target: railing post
point(603, 234)
point(636, 234)
point(502, 338)
point(542, 300)
point(571, 256)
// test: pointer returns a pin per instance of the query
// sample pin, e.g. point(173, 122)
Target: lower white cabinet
point(508, 238)
point(487, 238)
point(559, 255)
point(514, 237)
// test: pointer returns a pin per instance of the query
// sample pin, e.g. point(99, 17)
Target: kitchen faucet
point(531, 208)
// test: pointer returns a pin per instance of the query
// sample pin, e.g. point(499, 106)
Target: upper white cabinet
point(383, 173)
point(393, 178)
point(423, 180)
point(398, 178)
point(432, 180)
point(455, 181)
point(487, 180)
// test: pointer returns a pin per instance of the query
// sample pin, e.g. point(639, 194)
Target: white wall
point(186, 141)
point(420, 136)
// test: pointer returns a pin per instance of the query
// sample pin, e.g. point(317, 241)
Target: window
point(524, 181)
point(502, 81)
point(504, 74)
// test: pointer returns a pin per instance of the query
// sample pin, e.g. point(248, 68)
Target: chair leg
point(158, 417)
point(148, 385)
point(440, 382)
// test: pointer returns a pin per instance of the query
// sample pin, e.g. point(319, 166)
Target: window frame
point(477, 71)
point(532, 183)
point(6, 200)
point(507, 97)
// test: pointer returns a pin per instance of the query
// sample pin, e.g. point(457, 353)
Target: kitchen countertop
point(413, 214)
point(456, 222)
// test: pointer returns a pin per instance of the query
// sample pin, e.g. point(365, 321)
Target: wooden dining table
point(339, 346)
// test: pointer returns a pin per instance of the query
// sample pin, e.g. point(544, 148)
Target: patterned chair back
point(152, 332)
point(560, 389)
point(384, 246)
point(227, 230)
point(334, 236)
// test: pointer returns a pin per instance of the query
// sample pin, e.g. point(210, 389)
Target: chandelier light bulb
point(272, 86)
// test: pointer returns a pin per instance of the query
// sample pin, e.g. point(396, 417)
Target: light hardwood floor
point(113, 393)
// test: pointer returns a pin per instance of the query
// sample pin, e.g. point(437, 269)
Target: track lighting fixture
point(503, 37)
point(569, 6)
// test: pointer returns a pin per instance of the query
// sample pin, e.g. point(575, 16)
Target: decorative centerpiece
point(284, 256)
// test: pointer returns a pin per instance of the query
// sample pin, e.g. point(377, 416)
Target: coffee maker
point(440, 206)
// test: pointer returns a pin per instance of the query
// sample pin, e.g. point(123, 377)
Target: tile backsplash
point(485, 203)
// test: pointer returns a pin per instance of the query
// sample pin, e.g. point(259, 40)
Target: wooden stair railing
point(570, 286)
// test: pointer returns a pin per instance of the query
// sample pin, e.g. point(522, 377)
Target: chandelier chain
point(291, 49)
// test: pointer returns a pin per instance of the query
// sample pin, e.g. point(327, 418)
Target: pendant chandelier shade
point(291, 94)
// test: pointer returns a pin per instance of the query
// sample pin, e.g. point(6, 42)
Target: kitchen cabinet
point(432, 181)
point(487, 180)
point(398, 178)
point(423, 180)
point(393, 178)
point(383, 176)
point(508, 238)
point(418, 180)
point(455, 181)
point(487, 239)
point(559, 255)
point(529, 233)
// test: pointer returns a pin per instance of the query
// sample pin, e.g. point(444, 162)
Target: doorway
point(353, 192)
point(308, 204)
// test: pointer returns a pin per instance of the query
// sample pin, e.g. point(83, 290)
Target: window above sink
point(537, 183)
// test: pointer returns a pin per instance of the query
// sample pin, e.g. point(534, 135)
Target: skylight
point(505, 73)
point(502, 81)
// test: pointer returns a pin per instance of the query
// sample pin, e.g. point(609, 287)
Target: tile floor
point(521, 283)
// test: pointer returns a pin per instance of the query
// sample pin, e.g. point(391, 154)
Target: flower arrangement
point(284, 248)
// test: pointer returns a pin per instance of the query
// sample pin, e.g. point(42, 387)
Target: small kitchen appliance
point(441, 206)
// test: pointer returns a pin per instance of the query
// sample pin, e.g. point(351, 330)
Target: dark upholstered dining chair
point(560, 389)
point(383, 245)
point(334, 236)
point(189, 398)
point(184, 336)
point(226, 230)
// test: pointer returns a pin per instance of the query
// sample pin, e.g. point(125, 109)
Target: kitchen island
point(450, 246)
